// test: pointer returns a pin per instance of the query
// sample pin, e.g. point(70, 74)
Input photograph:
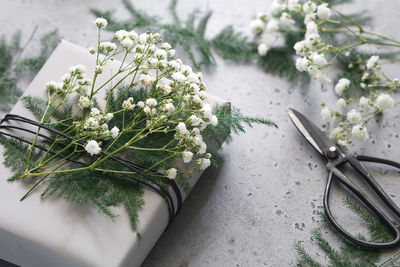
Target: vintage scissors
point(337, 158)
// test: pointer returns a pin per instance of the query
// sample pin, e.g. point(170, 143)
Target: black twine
point(148, 181)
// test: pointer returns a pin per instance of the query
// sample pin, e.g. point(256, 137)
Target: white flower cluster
point(73, 81)
point(95, 127)
point(354, 125)
point(266, 27)
point(176, 96)
point(312, 49)
point(313, 54)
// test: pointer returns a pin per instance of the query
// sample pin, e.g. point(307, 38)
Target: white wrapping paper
point(54, 232)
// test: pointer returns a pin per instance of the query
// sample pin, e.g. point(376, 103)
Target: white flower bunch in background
point(316, 55)
point(173, 102)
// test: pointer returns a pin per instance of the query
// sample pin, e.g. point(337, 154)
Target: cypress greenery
point(348, 254)
point(188, 34)
point(234, 46)
point(13, 68)
point(103, 190)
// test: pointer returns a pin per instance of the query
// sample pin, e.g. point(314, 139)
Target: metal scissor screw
point(332, 152)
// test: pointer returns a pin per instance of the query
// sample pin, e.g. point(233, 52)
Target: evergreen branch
point(231, 45)
point(379, 233)
point(349, 253)
point(305, 258)
point(336, 258)
point(190, 34)
point(13, 69)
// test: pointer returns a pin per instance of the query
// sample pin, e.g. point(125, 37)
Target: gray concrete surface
point(260, 203)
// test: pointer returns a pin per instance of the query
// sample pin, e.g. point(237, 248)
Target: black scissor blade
point(318, 139)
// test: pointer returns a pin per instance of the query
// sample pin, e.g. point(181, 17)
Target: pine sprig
point(188, 34)
point(231, 45)
point(306, 259)
point(15, 156)
point(14, 68)
point(379, 233)
point(348, 254)
point(103, 190)
point(230, 121)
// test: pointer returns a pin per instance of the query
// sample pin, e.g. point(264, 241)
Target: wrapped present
point(37, 232)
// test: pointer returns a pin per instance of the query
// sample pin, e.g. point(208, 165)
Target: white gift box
point(54, 232)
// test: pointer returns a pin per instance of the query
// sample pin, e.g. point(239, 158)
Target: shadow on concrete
point(183, 221)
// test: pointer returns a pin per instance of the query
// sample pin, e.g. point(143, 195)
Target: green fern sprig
point(348, 254)
point(100, 189)
point(188, 34)
point(14, 68)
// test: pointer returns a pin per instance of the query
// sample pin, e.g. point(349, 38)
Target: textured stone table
point(252, 210)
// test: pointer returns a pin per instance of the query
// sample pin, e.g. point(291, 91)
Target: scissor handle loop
point(335, 172)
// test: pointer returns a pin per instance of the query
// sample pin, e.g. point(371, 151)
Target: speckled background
point(262, 200)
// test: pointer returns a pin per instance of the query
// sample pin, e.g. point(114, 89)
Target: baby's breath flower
point(151, 102)
point(187, 156)
point(341, 86)
point(171, 173)
point(353, 116)
point(302, 64)
point(262, 49)
point(171, 52)
point(140, 104)
point(98, 69)
point(272, 26)
point(169, 108)
point(165, 46)
point(128, 104)
point(147, 80)
point(101, 23)
point(384, 101)
point(104, 127)
point(52, 86)
point(133, 35)
point(84, 102)
point(160, 54)
point(204, 163)
point(341, 102)
point(359, 133)
point(286, 19)
point(309, 7)
point(93, 148)
point(92, 123)
point(195, 121)
point(181, 128)
point(143, 38)
point(372, 62)
point(257, 26)
point(92, 50)
point(78, 69)
point(179, 77)
point(300, 48)
point(276, 7)
point(109, 116)
point(323, 11)
point(309, 17)
point(214, 120)
point(114, 132)
point(312, 28)
point(318, 59)
point(293, 4)
point(127, 43)
point(120, 35)
point(337, 133)
point(326, 114)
